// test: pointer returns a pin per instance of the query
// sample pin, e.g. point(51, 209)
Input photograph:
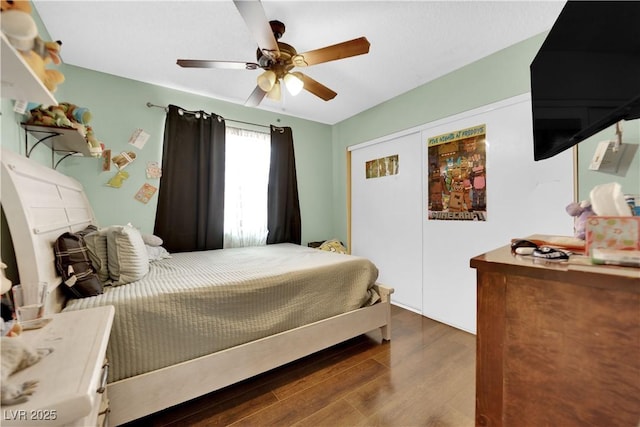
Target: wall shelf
point(18, 79)
point(63, 141)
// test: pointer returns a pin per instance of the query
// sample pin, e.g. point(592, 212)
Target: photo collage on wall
point(457, 175)
point(384, 166)
point(122, 161)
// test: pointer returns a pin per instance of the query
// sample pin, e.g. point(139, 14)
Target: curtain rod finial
point(150, 105)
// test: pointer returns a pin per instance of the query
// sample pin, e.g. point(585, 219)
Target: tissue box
point(613, 232)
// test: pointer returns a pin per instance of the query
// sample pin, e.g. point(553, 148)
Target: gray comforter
point(197, 303)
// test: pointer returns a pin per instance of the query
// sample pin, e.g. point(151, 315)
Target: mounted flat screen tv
point(586, 76)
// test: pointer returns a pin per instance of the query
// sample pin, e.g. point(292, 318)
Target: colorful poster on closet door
point(457, 175)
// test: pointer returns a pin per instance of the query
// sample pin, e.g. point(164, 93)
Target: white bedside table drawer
point(100, 405)
point(69, 377)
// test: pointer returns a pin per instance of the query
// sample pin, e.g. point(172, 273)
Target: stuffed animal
point(74, 116)
point(50, 116)
point(17, 355)
point(95, 146)
point(69, 116)
point(581, 211)
point(21, 31)
point(333, 245)
point(48, 50)
point(21, 5)
point(18, 24)
point(50, 78)
point(80, 115)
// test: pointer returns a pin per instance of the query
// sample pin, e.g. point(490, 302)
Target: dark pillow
point(74, 265)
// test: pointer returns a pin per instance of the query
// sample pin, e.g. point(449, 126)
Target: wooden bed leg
point(385, 298)
point(386, 332)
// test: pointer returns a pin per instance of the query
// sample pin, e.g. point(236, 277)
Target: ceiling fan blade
point(342, 50)
point(203, 63)
point(316, 88)
point(254, 16)
point(255, 98)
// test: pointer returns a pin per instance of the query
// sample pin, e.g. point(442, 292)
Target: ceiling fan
point(278, 59)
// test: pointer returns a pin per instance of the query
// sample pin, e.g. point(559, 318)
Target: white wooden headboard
point(40, 204)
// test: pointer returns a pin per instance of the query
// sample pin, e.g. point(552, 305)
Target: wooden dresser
point(557, 344)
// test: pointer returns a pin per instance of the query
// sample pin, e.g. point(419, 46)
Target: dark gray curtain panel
point(190, 214)
point(283, 212)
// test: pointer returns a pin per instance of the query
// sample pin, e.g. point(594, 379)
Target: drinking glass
point(25, 312)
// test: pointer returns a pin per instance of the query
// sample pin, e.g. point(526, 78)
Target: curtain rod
point(220, 118)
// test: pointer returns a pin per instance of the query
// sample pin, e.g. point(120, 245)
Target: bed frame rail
point(145, 394)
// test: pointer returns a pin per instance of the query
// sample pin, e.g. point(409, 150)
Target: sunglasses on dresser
point(527, 247)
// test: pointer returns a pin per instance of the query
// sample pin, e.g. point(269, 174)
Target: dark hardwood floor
point(425, 376)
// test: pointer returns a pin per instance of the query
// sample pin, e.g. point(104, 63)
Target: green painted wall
point(118, 107)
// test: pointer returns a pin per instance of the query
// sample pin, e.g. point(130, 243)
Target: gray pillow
point(97, 246)
point(127, 253)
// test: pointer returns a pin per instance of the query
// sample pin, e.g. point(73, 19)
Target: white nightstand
point(72, 379)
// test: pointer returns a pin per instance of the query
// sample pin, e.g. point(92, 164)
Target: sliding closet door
point(523, 197)
point(387, 212)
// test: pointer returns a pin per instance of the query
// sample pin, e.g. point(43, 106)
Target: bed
point(204, 352)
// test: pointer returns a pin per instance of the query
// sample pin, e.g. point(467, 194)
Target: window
point(248, 154)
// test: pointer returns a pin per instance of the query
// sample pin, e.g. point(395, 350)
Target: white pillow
point(157, 253)
point(97, 246)
point(151, 240)
point(128, 258)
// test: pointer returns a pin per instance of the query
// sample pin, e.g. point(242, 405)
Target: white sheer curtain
point(248, 154)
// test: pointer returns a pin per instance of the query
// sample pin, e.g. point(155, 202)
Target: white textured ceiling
point(412, 43)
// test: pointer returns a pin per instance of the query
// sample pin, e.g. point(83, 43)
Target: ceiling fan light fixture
point(293, 83)
point(277, 59)
point(267, 80)
point(275, 93)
